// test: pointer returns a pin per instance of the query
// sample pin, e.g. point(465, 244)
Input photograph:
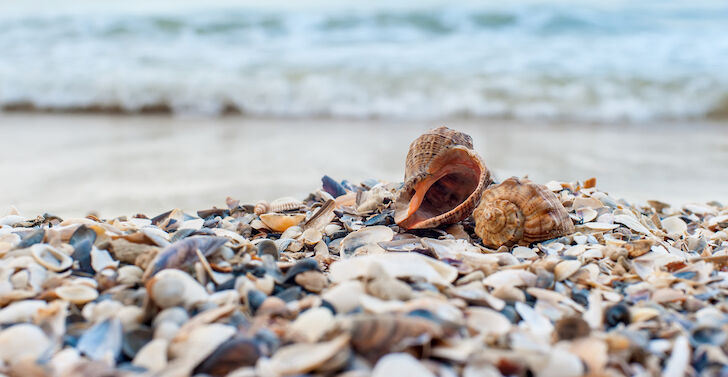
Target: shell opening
point(441, 192)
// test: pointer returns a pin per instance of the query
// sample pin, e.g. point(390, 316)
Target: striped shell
point(278, 205)
point(518, 211)
point(444, 178)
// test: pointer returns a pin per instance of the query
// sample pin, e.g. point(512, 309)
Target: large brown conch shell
point(518, 211)
point(444, 178)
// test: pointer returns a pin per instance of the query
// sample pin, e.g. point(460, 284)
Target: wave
point(601, 62)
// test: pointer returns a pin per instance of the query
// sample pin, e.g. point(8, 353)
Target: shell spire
point(444, 178)
point(519, 211)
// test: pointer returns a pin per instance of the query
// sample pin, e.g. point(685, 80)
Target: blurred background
point(120, 107)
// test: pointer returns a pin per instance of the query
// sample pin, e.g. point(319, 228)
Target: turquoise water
point(609, 61)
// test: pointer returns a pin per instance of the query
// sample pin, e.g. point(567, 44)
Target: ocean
point(596, 61)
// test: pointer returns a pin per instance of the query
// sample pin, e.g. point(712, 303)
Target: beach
point(113, 165)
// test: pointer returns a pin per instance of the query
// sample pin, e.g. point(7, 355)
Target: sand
point(70, 165)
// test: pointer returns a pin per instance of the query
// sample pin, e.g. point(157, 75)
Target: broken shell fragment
point(50, 257)
point(444, 178)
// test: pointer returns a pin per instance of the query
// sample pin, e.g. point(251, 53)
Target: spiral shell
point(444, 179)
point(518, 211)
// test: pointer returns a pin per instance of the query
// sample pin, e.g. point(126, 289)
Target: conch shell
point(444, 178)
point(518, 211)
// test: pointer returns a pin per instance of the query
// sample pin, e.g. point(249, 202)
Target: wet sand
point(70, 165)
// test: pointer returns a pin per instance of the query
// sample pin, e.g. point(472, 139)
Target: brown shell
point(444, 178)
point(372, 336)
point(518, 211)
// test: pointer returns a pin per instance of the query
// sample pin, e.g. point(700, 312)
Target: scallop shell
point(518, 211)
point(444, 178)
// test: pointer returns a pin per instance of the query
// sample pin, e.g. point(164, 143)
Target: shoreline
point(74, 164)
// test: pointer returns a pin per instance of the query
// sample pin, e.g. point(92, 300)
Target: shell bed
point(330, 286)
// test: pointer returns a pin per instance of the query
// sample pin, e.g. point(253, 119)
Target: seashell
point(313, 324)
point(135, 339)
point(278, 222)
point(444, 179)
point(102, 341)
point(100, 260)
point(77, 293)
point(601, 226)
point(311, 236)
point(322, 217)
point(183, 253)
point(31, 238)
point(397, 265)
point(268, 247)
point(346, 296)
point(301, 358)
point(570, 328)
point(232, 354)
point(50, 257)
point(518, 211)
point(373, 199)
point(679, 361)
point(21, 311)
point(375, 335)
point(261, 207)
point(22, 341)
point(632, 223)
point(363, 237)
point(312, 281)
point(487, 321)
point(590, 203)
point(199, 342)
point(586, 214)
point(565, 269)
point(674, 225)
point(129, 275)
point(400, 364)
point(153, 356)
point(174, 287)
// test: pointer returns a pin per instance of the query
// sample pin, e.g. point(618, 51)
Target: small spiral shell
point(518, 211)
point(261, 207)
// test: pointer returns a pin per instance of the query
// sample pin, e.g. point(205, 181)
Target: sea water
point(586, 61)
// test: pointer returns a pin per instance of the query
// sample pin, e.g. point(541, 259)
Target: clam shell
point(518, 211)
point(375, 335)
point(400, 364)
point(565, 269)
point(22, 340)
point(77, 293)
point(50, 257)
point(278, 222)
point(444, 178)
point(674, 225)
point(363, 237)
point(303, 357)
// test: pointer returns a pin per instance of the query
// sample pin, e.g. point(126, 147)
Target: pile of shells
point(331, 285)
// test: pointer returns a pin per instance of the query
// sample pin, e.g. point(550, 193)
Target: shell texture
point(518, 211)
point(444, 179)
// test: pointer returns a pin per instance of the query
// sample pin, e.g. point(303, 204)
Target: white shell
point(22, 341)
point(398, 265)
point(101, 259)
point(674, 225)
point(50, 257)
point(77, 293)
